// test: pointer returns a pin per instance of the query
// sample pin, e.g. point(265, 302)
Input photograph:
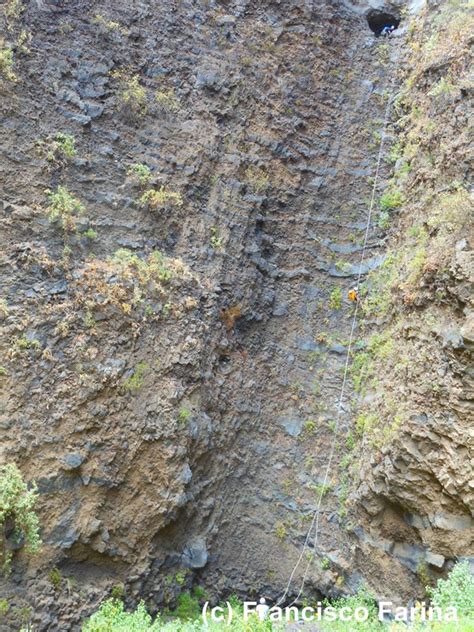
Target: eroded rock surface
point(177, 414)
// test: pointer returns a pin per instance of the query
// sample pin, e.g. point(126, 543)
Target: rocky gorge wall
point(172, 363)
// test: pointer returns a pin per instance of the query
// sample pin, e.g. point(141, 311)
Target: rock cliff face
point(417, 410)
point(174, 319)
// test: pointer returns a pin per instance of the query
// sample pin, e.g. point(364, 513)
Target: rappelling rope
point(315, 520)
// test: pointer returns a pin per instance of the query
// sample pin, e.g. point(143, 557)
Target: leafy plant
point(184, 415)
point(117, 591)
point(396, 152)
point(188, 607)
point(391, 200)
point(167, 101)
point(444, 87)
point(135, 381)
point(457, 590)
point(6, 61)
point(90, 233)
point(112, 616)
point(342, 266)
point(64, 208)
point(422, 573)
point(24, 343)
point(146, 269)
point(4, 309)
point(280, 530)
point(18, 519)
point(199, 592)
point(365, 422)
point(322, 489)
point(216, 241)
point(180, 578)
point(335, 298)
point(310, 426)
point(257, 178)
point(131, 96)
point(109, 26)
point(55, 578)
point(12, 9)
point(160, 198)
point(325, 564)
point(61, 146)
point(141, 172)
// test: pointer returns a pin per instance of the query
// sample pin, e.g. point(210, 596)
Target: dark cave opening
point(377, 20)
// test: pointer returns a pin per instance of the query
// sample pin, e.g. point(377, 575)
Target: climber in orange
point(353, 295)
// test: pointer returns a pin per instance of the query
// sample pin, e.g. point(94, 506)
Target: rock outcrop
point(174, 319)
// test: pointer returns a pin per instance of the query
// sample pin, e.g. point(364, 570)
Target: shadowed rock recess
point(174, 334)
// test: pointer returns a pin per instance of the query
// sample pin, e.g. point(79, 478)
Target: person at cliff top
point(387, 30)
point(353, 295)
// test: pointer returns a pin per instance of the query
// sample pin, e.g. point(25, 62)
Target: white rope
point(315, 520)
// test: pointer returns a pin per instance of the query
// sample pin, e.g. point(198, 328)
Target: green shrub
point(153, 267)
point(423, 573)
point(199, 592)
point(180, 577)
point(363, 599)
point(55, 578)
point(188, 607)
point(65, 145)
point(280, 531)
point(258, 179)
point(361, 370)
point(184, 415)
point(325, 564)
point(384, 220)
point(117, 591)
point(457, 590)
point(109, 26)
point(90, 233)
point(365, 422)
point(6, 62)
point(22, 343)
point(216, 241)
point(141, 172)
point(342, 266)
point(112, 617)
point(167, 101)
point(335, 298)
point(322, 489)
point(444, 87)
point(12, 9)
point(131, 96)
point(135, 381)
point(396, 152)
point(391, 200)
point(160, 198)
point(17, 507)
point(64, 208)
point(57, 149)
point(4, 309)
